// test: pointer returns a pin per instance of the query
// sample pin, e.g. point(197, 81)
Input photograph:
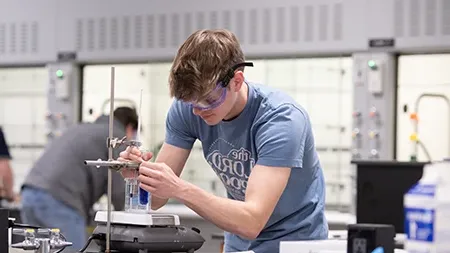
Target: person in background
point(6, 174)
point(257, 139)
point(60, 190)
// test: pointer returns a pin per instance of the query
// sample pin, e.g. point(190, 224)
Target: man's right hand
point(135, 155)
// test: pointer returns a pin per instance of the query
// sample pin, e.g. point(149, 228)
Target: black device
point(381, 186)
point(364, 238)
point(15, 214)
point(161, 239)
point(4, 226)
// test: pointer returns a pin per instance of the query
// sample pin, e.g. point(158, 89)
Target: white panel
point(258, 73)
point(159, 78)
point(281, 74)
point(424, 70)
point(23, 81)
point(417, 75)
point(434, 122)
point(325, 73)
point(160, 107)
point(160, 100)
point(2, 111)
point(303, 74)
point(129, 80)
point(40, 109)
point(321, 101)
point(303, 99)
point(22, 116)
point(23, 93)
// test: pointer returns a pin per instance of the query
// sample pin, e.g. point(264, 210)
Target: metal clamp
point(114, 165)
point(40, 240)
point(115, 142)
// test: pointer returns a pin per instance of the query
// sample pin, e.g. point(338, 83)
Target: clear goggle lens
point(214, 99)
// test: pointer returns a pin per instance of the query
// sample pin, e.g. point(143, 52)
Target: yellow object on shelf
point(413, 137)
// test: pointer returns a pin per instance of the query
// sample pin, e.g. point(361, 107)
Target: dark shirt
point(61, 170)
point(4, 151)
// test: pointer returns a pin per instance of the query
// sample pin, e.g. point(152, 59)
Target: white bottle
point(427, 211)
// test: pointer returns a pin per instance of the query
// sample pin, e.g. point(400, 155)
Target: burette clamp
point(116, 142)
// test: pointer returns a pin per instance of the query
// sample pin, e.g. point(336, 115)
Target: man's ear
point(237, 81)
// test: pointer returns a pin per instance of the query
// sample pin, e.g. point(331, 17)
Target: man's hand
point(159, 179)
point(6, 180)
point(135, 155)
point(172, 157)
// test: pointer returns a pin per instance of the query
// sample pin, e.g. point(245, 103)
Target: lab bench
point(214, 236)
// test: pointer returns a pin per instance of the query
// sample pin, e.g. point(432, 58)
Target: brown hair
point(202, 60)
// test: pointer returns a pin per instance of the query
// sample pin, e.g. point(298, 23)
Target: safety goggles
point(217, 96)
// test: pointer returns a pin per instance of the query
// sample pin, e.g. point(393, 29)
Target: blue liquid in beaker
point(143, 196)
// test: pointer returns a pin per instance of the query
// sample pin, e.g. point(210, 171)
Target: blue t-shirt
point(272, 130)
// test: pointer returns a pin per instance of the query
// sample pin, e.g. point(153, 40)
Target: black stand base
point(4, 225)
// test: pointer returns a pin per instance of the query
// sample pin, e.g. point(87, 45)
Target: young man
point(60, 190)
point(258, 140)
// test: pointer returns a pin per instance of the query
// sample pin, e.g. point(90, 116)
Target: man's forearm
point(233, 216)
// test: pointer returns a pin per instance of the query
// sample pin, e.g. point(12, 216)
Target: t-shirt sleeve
point(179, 126)
point(281, 137)
point(4, 151)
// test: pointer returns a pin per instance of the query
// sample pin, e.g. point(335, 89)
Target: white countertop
point(337, 243)
point(322, 246)
point(182, 211)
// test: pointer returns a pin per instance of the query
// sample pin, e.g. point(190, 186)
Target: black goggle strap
point(230, 73)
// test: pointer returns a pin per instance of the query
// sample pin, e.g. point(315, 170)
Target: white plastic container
point(427, 211)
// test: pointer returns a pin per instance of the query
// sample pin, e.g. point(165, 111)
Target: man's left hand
point(159, 179)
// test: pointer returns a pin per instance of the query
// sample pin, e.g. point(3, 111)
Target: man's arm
point(178, 143)
point(175, 158)
point(244, 218)
point(280, 142)
point(7, 178)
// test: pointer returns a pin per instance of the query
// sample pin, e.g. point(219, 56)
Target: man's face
point(218, 104)
point(214, 115)
point(130, 132)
